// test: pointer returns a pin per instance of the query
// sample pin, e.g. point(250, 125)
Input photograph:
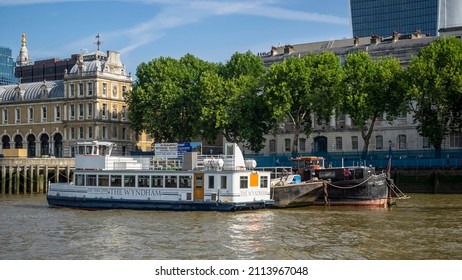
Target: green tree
point(435, 87)
point(372, 91)
point(299, 87)
point(233, 101)
point(165, 100)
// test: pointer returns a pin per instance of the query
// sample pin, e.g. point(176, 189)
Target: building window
point(90, 88)
point(354, 142)
point(18, 115)
point(81, 111)
point(81, 136)
point(90, 110)
point(104, 111)
point(124, 89)
point(104, 136)
point(114, 111)
point(57, 113)
point(44, 114)
point(455, 139)
point(124, 112)
point(124, 133)
point(114, 131)
point(104, 89)
point(81, 90)
point(71, 111)
point(71, 90)
point(338, 143)
point(272, 146)
point(287, 145)
point(5, 115)
point(72, 133)
point(31, 114)
point(302, 144)
point(402, 144)
point(379, 142)
point(90, 132)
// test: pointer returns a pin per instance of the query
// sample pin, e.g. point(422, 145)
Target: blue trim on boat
point(132, 204)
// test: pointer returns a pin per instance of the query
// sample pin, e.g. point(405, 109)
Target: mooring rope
point(351, 187)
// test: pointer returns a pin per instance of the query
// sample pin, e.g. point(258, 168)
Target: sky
point(143, 30)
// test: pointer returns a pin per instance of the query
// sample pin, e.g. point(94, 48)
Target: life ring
point(346, 172)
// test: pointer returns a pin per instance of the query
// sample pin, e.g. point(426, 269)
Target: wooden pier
point(31, 175)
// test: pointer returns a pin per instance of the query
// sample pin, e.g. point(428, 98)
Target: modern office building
point(384, 17)
point(6, 67)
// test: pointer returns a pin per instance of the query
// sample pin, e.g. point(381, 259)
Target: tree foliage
point(165, 98)
point(435, 86)
point(299, 87)
point(372, 91)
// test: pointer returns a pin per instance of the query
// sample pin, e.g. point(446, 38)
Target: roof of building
point(374, 45)
point(32, 91)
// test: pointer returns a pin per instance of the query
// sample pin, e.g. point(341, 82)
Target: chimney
point(375, 39)
point(355, 41)
point(288, 49)
point(417, 34)
point(395, 36)
point(274, 51)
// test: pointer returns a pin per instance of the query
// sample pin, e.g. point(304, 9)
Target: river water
point(426, 226)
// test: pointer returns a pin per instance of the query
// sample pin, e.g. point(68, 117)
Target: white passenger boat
point(196, 182)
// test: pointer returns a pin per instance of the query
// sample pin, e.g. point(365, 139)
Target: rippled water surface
point(423, 227)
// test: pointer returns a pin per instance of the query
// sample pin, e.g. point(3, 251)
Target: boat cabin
point(305, 166)
point(337, 174)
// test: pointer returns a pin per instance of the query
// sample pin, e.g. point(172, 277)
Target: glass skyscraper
point(383, 17)
point(7, 67)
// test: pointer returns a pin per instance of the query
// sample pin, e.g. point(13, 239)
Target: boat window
point(185, 182)
point(327, 174)
point(264, 182)
point(359, 173)
point(244, 182)
point(129, 180)
point(143, 181)
point(103, 180)
point(80, 180)
point(211, 182)
point(171, 181)
point(157, 181)
point(224, 183)
point(116, 180)
point(91, 180)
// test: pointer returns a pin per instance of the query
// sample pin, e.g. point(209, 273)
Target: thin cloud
point(179, 13)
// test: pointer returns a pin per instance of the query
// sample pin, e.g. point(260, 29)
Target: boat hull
point(296, 195)
point(138, 204)
point(373, 192)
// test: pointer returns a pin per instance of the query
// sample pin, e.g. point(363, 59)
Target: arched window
point(44, 144)
point(6, 142)
point(18, 142)
point(31, 145)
